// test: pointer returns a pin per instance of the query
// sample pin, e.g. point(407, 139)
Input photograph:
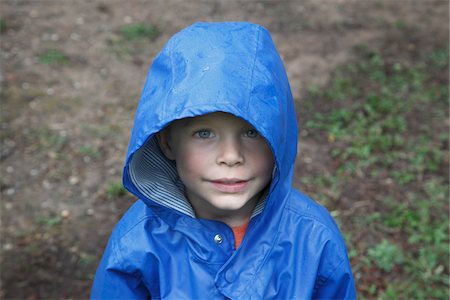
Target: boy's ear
point(163, 138)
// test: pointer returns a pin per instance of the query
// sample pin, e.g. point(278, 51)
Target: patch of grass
point(105, 131)
point(87, 259)
point(53, 57)
point(383, 123)
point(90, 151)
point(139, 31)
point(400, 24)
point(120, 47)
point(45, 139)
point(132, 39)
point(440, 58)
point(3, 26)
point(385, 255)
point(115, 190)
point(370, 115)
point(48, 221)
point(390, 293)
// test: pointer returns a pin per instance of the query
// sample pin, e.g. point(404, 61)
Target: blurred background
point(371, 84)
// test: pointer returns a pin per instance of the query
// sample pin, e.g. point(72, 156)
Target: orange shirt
point(239, 232)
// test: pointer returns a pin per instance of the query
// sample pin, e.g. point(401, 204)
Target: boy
point(211, 158)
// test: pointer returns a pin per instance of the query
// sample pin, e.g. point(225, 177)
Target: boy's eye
point(252, 133)
point(204, 134)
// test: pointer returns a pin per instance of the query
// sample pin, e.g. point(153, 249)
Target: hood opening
point(156, 178)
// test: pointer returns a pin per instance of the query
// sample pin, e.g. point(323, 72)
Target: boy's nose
point(230, 152)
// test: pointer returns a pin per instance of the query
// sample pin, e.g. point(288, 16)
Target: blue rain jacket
point(292, 248)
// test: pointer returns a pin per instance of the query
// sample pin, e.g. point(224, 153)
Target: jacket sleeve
point(113, 281)
point(339, 285)
point(335, 278)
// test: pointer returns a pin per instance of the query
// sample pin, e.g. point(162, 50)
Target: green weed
point(53, 57)
point(385, 255)
point(400, 24)
point(48, 221)
point(46, 139)
point(87, 259)
point(390, 293)
point(115, 190)
point(132, 39)
point(120, 47)
point(440, 58)
point(90, 151)
point(139, 31)
point(3, 26)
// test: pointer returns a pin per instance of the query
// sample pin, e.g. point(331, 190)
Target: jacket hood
point(205, 68)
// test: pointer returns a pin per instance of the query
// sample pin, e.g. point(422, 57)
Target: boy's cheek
point(192, 160)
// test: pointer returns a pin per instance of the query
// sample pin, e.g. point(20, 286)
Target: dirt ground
point(66, 125)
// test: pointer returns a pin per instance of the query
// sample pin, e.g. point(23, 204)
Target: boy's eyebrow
point(184, 121)
point(193, 121)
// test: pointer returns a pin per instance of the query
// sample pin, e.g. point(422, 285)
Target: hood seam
point(253, 69)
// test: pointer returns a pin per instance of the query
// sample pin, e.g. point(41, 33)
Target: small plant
point(115, 190)
point(48, 221)
point(90, 151)
point(53, 57)
point(390, 293)
point(139, 31)
point(47, 139)
point(440, 58)
point(400, 24)
point(87, 259)
point(132, 39)
point(3, 26)
point(386, 255)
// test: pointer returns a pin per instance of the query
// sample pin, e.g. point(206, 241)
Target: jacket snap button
point(230, 276)
point(218, 239)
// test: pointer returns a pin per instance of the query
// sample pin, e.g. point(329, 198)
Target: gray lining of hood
point(156, 178)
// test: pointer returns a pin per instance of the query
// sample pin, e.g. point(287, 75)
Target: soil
point(66, 125)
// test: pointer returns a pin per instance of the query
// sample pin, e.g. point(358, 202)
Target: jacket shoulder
point(303, 206)
point(133, 219)
point(317, 228)
point(132, 239)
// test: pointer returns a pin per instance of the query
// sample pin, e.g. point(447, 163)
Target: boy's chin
point(230, 205)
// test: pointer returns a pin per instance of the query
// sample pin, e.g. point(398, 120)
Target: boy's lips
point(230, 185)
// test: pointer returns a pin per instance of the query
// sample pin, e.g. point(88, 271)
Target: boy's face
point(223, 162)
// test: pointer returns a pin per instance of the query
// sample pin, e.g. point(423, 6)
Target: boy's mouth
point(230, 185)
